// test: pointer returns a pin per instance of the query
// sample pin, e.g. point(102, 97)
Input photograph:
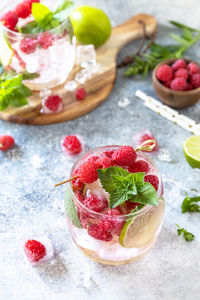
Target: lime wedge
point(191, 148)
point(6, 52)
point(142, 229)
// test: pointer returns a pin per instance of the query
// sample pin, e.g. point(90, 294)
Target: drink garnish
point(188, 236)
point(190, 204)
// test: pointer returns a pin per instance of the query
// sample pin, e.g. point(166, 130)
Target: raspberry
point(99, 233)
point(84, 219)
point(77, 185)
point(179, 84)
point(124, 156)
point(179, 64)
point(112, 222)
point(108, 153)
point(80, 94)
point(23, 10)
point(93, 158)
point(189, 87)
point(164, 73)
point(142, 136)
point(53, 103)
point(9, 20)
point(80, 196)
point(71, 144)
point(34, 250)
point(181, 73)
point(193, 68)
point(103, 162)
point(30, 2)
point(95, 203)
point(195, 80)
point(45, 40)
point(6, 142)
point(128, 206)
point(153, 180)
point(87, 172)
point(28, 45)
point(139, 166)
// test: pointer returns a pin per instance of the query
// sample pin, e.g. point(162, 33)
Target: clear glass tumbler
point(133, 234)
point(51, 54)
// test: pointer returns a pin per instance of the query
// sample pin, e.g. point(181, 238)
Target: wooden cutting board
point(100, 84)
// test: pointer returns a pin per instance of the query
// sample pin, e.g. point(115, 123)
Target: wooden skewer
point(65, 181)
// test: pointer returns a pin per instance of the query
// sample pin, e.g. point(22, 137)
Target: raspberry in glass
point(87, 172)
point(28, 45)
point(124, 156)
point(139, 166)
point(153, 179)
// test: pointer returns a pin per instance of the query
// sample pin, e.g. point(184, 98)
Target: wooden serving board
point(99, 85)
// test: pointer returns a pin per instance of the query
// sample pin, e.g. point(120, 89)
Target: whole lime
point(91, 25)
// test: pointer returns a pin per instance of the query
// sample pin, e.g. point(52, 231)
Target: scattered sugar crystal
point(86, 56)
point(81, 76)
point(124, 102)
point(164, 155)
point(71, 85)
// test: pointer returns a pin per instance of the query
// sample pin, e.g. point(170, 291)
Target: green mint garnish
point(122, 186)
point(12, 91)
point(45, 19)
point(71, 210)
point(190, 204)
point(188, 236)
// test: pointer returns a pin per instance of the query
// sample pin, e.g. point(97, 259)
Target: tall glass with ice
point(126, 232)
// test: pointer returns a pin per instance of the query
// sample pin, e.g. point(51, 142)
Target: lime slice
point(191, 148)
point(142, 229)
point(6, 52)
point(91, 25)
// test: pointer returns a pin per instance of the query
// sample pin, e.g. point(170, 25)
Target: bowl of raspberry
point(114, 204)
point(36, 37)
point(177, 82)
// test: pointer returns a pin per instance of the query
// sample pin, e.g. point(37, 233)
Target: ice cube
point(142, 136)
point(45, 92)
point(70, 156)
point(172, 189)
point(124, 102)
point(81, 76)
point(164, 155)
point(86, 56)
point(71, 85)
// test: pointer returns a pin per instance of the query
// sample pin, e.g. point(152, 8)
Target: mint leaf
point(122, 186)
point(31, 27)
point(146, 195)
point(27, 76)
point(71, 210)
point(188, 236)
point(40, 12)
point(63, 10)
point(189, 204)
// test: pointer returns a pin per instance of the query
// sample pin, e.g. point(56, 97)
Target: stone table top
point(29, 204)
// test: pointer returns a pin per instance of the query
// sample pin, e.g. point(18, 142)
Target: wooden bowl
point(176, 99)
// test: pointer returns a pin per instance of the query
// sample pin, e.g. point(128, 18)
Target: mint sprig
point(190, 204)
point(188, 236)
point(12, 91)
point(122, 186)
point(45, 19)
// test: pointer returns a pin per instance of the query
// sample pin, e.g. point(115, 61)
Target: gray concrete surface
point(29, 204)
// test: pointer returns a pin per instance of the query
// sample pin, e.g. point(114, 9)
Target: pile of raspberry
point(108, 225)
point(180, 76)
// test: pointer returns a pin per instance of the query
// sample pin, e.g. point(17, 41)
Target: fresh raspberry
point(23, 10)
point(93, 158)
point(108, 153)
point(128, 206)
point(179, 64)
point(193, 68)
point(30, 2)
point(71, 144)
point(34, 250)
point(103, 162)
point(53, 102)
point(142, 136)
point(112, 222)
point(77, 185)
point(189, 87)
point(80, 94)
point(6, 142)
point(80, 196)
point(28, 45)
point(139, 166)
point(195, 80)
point(179, 84)
point(45, 40)
point(95, 203)
point(153, 179)
point(87, 172)
point(99, 233)
point(84, 219)
point(124, 156)
point(181, 73)
point(9, 20)
point(164, 73)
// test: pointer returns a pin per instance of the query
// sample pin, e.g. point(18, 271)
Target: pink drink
point(112, 236)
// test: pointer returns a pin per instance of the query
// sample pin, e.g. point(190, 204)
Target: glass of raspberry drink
point(114, 204)
point(49, 53)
